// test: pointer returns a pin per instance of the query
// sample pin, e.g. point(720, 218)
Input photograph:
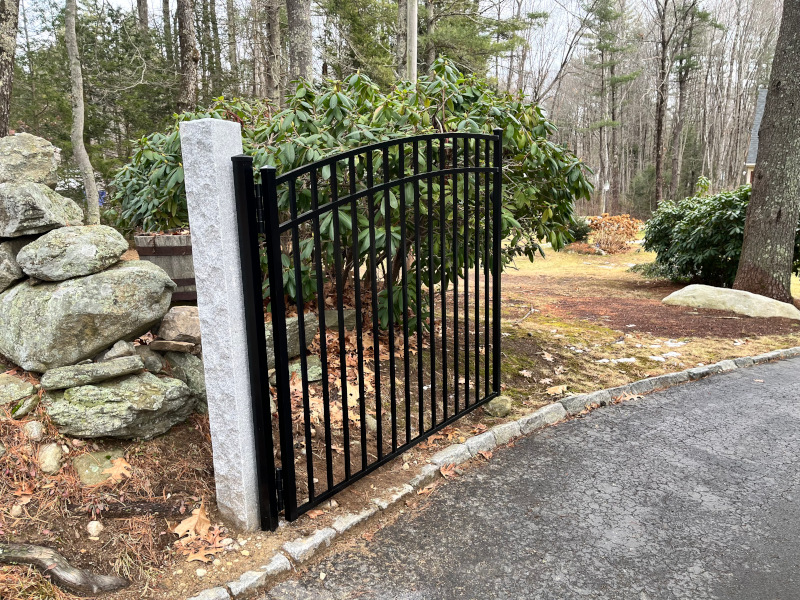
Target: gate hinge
point(279, 488)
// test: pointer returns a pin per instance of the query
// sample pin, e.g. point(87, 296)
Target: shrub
point(579, 230)
point(582, 248)
point(612, 233)
point(699, 239)
point(541, 178)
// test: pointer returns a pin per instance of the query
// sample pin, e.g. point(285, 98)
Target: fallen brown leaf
point(197, 524)
point(448, 471)
point(120, 469)
point(556, 390)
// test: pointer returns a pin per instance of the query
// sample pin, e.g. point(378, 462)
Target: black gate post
point(247, 219)
point(269, 190)
point(497, 201)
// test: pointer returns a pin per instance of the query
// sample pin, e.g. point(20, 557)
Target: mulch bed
point(651, 316)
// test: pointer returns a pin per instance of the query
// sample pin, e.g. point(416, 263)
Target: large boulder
point(738, 301)
point(25, 157)
point(31, 208)
point(52, 325)
point(70, 252)
point(181, 324)
point(10, 271)
point(139, 406)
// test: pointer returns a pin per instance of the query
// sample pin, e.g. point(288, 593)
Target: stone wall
point(76, 316)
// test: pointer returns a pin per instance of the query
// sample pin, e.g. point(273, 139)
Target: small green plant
point(699, 239)
point(579, 230)
point(703, 186)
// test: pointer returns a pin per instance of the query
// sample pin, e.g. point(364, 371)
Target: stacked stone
point(70, 310)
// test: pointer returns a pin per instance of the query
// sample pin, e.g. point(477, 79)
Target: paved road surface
point(690, 493)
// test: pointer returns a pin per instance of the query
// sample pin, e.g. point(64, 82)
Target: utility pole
point(411, 40)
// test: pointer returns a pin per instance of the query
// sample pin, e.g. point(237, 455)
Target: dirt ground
point(571, 323)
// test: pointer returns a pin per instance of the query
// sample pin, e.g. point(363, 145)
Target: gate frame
point(272, 495)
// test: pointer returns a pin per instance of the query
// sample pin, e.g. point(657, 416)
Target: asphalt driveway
point(690, 493)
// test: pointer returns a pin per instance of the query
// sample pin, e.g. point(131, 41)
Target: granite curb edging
point(303, 548)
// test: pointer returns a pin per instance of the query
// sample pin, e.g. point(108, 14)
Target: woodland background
point(651, 94)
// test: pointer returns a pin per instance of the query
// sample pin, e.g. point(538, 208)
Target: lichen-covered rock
point(70, 252)
point(50, 457)
point(31, 208)
point(10, 271)
point(90, 467)
point(13, 389)
point(139, 406)
point(498, 407)
point(52, 325)
point(67, 377)
point(181, 324)
point(153, 361)
point(25, 157)
point(292, 336)
point(738, 301)
point(118, 350)
point(189, 369)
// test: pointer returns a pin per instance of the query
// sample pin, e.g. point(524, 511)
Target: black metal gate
point(393, 250)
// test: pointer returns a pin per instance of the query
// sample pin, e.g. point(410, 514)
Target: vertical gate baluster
point(456, 269)
point(359, 317)
point(401, 173)
point(488, 343)
point(301, 332)
point(387, 223)
point(373, 261)
point(323, 331)
point(417, 262)
point(337, 260)
point(497, 199)
point(275, 266)
point(466, 272)
point(477, 270)
point(442, 231)
point(431, 284)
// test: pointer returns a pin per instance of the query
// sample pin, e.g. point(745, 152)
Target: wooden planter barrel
point(173, 253)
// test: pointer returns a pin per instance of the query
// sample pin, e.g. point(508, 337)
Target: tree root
point(51, 563)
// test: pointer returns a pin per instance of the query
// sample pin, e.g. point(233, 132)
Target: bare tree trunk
point(430, 29)
point(189, 56)
point(233, 54)
point(141, 7)
point(168, 42)
point(662, 90)
point(216, 59)
point(614, 201)
point(765, 266)
point(76, 133)
point(298, 13)
point(9, 19)
point(411, 40)
point(273, 70)
point(676, 135)
point(400, 42)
